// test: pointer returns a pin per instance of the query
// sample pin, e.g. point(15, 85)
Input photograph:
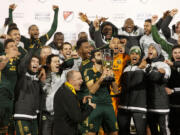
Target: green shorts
point(104, 116)
point(24, 127)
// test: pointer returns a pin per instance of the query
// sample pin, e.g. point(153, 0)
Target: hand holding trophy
point(108, 64)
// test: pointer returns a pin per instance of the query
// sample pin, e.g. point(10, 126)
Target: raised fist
point(154, 19)
point(55, 7)
point(173, 12)
point(12, 6)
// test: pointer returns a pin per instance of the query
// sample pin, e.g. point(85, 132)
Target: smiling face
point(66, 51)
point(147, 28)
point(85, 50)
point(152, 52)
point(59, 40)
point(54, 65)
point(116, 46)
point(34, 32)
point(76, 81)
point(98, 57)
point(176, 54)
point(107, 31)
point(34, 65)
point(11, 47)
point(129, 25)
point(134, 58)
point(15, 35)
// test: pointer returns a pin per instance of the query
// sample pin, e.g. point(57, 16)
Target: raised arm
point(11, 9)
point(49, 34)
point(156, 37)
point(165, 23)
point(92, 84)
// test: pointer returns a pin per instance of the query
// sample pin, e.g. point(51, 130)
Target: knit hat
point(135, 49)
point(157, 47)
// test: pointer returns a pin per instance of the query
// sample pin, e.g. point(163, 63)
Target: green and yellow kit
point(104, 114)
point(41, 41)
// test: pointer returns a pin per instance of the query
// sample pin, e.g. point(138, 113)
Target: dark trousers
point(47, 124)
point(157, 123)
point(174, 121)
point(124, 118)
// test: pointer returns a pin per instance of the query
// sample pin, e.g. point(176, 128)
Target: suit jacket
point(67, 112)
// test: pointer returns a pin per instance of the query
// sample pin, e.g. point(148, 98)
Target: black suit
point(67, 112)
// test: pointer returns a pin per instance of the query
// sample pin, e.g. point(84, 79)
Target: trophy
point(108, 63)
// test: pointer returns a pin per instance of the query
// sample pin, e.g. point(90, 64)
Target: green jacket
point(164, 44)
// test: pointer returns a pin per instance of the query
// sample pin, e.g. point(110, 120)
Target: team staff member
point(27, 95)
point(157, 74)
point(133, 95)
point(173, 89)
point(67, 112)
point(53, 81)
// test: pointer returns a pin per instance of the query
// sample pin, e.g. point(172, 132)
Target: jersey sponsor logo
point(26, 129)
point(91, 126)
point(31, 46)
point(12, 68)
point(44, 118)
point(87, 78)
point(119, 61)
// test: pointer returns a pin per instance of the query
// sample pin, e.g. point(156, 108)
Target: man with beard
point(35, 40)
point(104, 113)
point(57, 42)
point(133, 95)
point(157, 75)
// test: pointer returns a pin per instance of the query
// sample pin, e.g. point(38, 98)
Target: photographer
point(98, 83)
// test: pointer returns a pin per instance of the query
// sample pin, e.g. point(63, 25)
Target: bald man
point(67, 111)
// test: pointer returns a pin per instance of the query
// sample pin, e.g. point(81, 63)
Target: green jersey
point(38, 43)
point(8, 76)
point(84, 90)
point(102, 94)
